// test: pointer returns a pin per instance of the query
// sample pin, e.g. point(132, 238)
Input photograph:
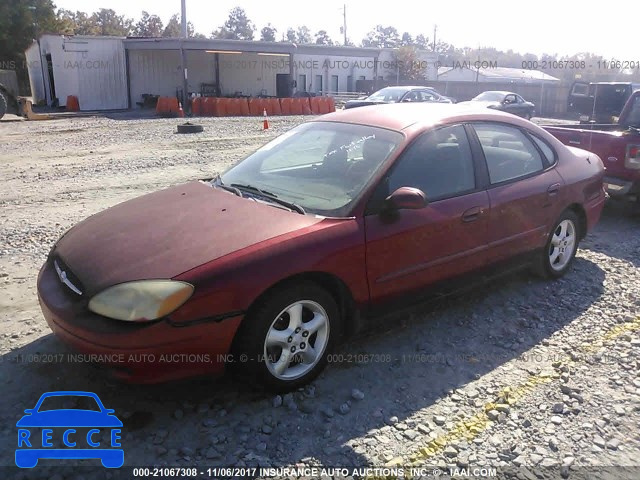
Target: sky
point(564, 27)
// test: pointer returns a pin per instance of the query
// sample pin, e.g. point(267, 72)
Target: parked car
point(618, 144)
point(599, 102)
point(308, 239)
point(505, 101)
point(400, 94)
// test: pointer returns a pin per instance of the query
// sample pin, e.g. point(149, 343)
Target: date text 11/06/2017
point(314, 472)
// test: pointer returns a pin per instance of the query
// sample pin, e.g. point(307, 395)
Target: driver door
point(409, 249)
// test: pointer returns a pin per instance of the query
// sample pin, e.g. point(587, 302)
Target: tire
point(190, 128)
point(3, 104)
point(277, 325)
point(561, 247)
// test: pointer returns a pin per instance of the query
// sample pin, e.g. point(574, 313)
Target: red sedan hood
point(169, 232)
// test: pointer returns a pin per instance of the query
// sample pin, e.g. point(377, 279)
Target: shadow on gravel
point(409, 366)
point(618, 221)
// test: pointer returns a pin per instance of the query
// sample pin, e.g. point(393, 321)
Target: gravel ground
point(536, 379)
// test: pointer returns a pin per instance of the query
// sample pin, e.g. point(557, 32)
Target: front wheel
point(286, 338)
point(561, 247)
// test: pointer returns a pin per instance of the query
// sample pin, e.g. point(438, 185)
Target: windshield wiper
point(270, 196)
point(219, 183)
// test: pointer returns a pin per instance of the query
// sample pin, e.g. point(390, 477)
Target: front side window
point(321, 166)
point(508, 152)
point(439, 163)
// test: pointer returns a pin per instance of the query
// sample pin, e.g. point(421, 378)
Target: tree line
point(21, 22)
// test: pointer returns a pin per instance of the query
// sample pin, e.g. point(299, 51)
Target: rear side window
point(546, 150)
point(508, 152)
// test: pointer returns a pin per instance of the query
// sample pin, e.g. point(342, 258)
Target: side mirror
point(406, 198)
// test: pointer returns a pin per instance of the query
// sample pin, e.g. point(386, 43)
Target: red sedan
point(268, 265)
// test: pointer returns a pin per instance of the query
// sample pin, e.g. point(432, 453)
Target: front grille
point(67, 277)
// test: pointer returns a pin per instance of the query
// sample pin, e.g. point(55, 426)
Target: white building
point(114, 72)
point(494, 74)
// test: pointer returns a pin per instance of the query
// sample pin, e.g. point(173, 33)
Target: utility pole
point(183, 58)
point(344, 23)
point(183, 17)
point(435, 29)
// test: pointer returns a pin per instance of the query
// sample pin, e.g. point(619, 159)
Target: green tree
point(303, 35)
point(149, 26)
point(237, 27)
point(76, 23)
point(268, 33)
point(291, 35)
point(422, 42)
point(20, 24)
point(174, 28)
point(382, 37)
point(109, 23)
point(406, 39)
point(407, 60)
point(322, 38)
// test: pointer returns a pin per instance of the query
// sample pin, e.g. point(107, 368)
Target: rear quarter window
point(548, 152)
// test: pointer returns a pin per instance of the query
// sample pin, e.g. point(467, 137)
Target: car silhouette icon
point(95, 419)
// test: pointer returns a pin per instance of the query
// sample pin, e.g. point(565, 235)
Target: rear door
point(525, 190)
point(409, 249)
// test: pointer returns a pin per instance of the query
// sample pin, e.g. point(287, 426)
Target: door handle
point(553, 189)
point(574, 142)
point(472, 214)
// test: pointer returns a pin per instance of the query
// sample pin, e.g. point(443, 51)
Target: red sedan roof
point(398, 116)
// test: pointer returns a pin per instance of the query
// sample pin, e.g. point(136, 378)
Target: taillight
point(632, 159)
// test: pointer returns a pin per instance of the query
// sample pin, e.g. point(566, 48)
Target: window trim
point(372, 209)
point(481, 155)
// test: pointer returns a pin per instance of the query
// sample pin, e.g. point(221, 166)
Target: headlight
point(141, 301)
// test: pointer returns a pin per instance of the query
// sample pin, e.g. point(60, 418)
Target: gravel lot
point(537, 379)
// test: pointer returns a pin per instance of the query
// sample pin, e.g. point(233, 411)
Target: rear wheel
point(560, 250)
point(285, 340)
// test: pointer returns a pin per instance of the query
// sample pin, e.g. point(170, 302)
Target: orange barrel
point(254, 106)
point(306, 106)
point(274, 103)
point(72, 104)
point(243, 106)
point(331, 105)
point(196, 106)
point(159, 105)
point(221, 107)
point(172, 106)
point(296, 106)
point(316, 105)
point(286, 106)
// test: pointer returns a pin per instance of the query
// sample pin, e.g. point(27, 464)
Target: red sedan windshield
point(321, 166)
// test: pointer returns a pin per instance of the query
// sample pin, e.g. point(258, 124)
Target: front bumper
point(139, 353)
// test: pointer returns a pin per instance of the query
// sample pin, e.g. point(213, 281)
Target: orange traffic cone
point(265, 122)
point(180, 110)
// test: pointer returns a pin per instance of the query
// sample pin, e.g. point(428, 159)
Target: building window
point(318, 84)
point(302, 83)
